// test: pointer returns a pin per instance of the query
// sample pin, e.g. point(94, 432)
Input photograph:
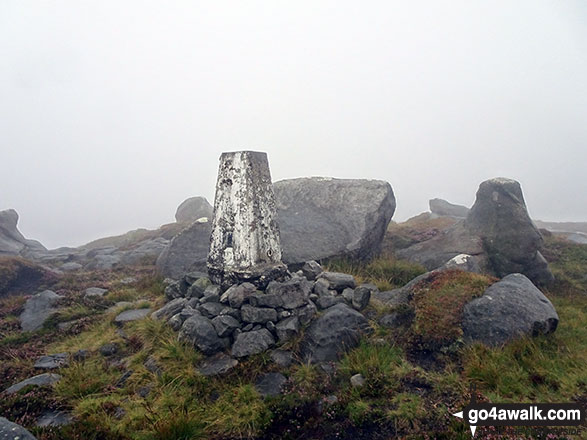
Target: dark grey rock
point(292, 294)
point(347, 294)
point(187, 251)
point(109, 349)
point(95, 291)
point(324, 218)
point(80, 355)
point(252, 342)
point(144, 391)
point(217, 365)
point(172, 291)
point(38, 309)
point(270, 384)
point(39, 380)
point(131, 315)
point(259, 315)
point(225, 325)
point(248, 328)
point(53, 418)
point(287, 329)
point(200, 332)
point(510, 308)
point(211, 310)
point(199, 287)
point(306, 313)
point(52, 361)
point(336, 331)
point(152, 366)
point(321, 287)
point(338, 281)
point(237, 294)
point(191, 277)
point(283, 358)
point(311, 270)
point(171, 308)
point(177, 320)
point(123, 379)
point(443, 208)
point(362, 295)
point(270, 326)
point(12, 431)
point(193, 209)
point(328, 300)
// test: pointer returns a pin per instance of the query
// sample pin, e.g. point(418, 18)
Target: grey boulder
point(252, 342)
point(193, 209)
point(199, 331)
point(508, 309)
point(52, 361)
point(131, 315)
point(323, 218)
point(39, 380)
point(12, 431)
point(443, 208)
point(38, 309)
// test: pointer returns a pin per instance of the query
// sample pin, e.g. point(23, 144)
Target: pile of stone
point(248, 320)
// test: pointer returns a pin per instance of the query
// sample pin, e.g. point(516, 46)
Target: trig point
point(244, 245)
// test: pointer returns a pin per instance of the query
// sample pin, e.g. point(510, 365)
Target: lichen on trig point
point(244, 245)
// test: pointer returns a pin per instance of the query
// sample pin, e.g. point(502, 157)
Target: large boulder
point(510, 308)
point(193, 209)
point(12, 242)
point(498, 236)
point(12, 431)
point(187, 251)
point(336, 331)
point(38, 309)
point(443, 208)
point(321, 218)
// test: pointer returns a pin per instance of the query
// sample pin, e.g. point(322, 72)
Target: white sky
point(113, 112)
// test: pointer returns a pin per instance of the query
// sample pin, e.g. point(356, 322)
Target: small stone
point(144, 391)
point(270, 326)
point(287, 329)
point(248, 328)
point(95, 291)
point(257, 314)
point(321, 287)
point(131, 315)
point(122, 379)
point(282, 358)
point(328, 300)
point(171, 308)
point(362, 295)
point(80, 355)
point(211, 310)
point(311, 270)
point(306, 313)
point(270, 384)
point(284, 314)
point(347, 294)
point(236, 295)
point(119, 413)
point(217, 365)
point(338, 281)
point(109, 349)
point(357, 381)
point(192, 277)
point(51, 361)
point(252, 342)
point(225, 325)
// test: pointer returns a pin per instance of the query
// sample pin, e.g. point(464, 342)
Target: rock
point(38, 309)
point(199, 331)
point(282, 358)
point(193, 209)
point(306, 313)
point(347, 294)
point(357, 381)
point(171, 308)
point(252, 342)
point(12, 242)
point(52, 361)
point(396, 319)
point(123, 379)
point(198, 288)
point(177, 320)
point(217, 365)
point(225, 325)
point(131, 315)
point(291, 294)
point(81, 355)
point(152, 366)
point(53, 418)
point(321, 287)
point(39, 380)
point(328, 300)
point(244, 245)
point(95, 291)
point(338, 281)
point(270, 325)
point(463, 262)
point(510, 308)
point(270, 384)
point(322, 218)
point(187, 251)
point(144, 391)
point(336, 331)
point(257, 314)
point(211, 310)
point(311, 270)
point(237, 294)
point(145, 252)
point(287, 329)
point(362, 295)
point(191, 277)
point(443, 208)
point(109, 349)
point(70, 267)
point(12, 431)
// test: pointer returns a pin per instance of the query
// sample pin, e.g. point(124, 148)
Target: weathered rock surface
point(95, 291)
point(199, 331)
point(12, 242)
point(193, 209)
point(52, 361)
point(53, 418)
point(443, 208)
point(39, 380)
point(37, 310)
point(270, 384)
point(131, 315)
point(187, 251)
point(217, 365)
point(337, 330)
point(12, 431)
point(510, 308)
point(171, 308)
point(253, 342)
point(322, 218)
point(498, 236)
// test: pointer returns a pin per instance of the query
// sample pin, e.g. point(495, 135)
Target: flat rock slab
point(39, 380)
point(53, 418)
point(12, 431)
point(37, 310)
point(270, 384)
point(217, 365)
point(52, 361)
point(131, 315)
point(95, 291)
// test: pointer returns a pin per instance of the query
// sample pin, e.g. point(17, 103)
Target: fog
point(112, 113)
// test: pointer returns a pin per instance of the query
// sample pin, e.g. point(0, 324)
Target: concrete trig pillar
point(244, 245)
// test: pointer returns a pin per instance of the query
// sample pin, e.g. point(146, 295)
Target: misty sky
point(113, 112)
